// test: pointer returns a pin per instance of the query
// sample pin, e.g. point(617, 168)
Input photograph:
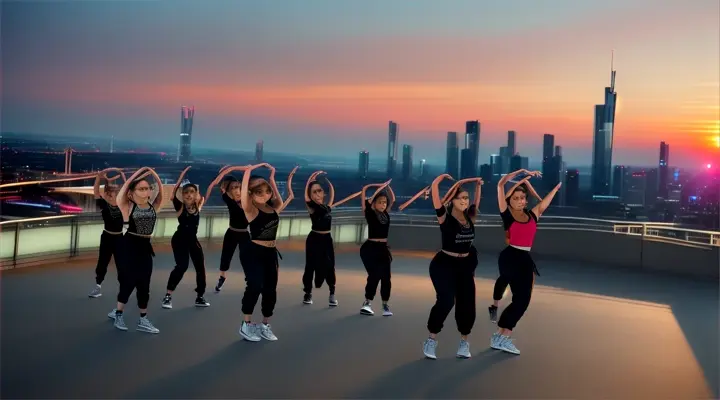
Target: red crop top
point(520, 234)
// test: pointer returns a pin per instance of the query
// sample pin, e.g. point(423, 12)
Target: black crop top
point(320, 216)
point(264, 226)
point(187, 222)
point(111, 215)
point(456, 238)
point(378, 222)
point(142, 220)
point(237, 215)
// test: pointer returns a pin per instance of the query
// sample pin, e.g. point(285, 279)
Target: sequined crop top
point(142, 220)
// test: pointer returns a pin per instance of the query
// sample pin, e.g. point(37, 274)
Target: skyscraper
point(392, 156)
point(548, 153)
point(663, 177)
point(472, 142)
point(407, 167)
point(451, 158)
point(511, 149)
point(259, 150)
point(363, 164)
point(572, 188)
point(187, 114)
point(423, 168)
point(604, 128)
point(619, 181)
point(547, 161)
point(518, 162)
point(466, 163)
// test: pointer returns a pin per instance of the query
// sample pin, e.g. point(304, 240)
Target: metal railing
point(47, 238)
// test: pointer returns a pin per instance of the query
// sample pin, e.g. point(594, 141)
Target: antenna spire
point(612, 70)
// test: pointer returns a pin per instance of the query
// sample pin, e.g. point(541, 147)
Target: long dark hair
point(469, 212)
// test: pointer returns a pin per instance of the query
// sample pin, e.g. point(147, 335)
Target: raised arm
point(157, 202)
point(96, 186)
point(476, 201)
point(276, 201)
point(122, 199)
point(331, 189)
point(223, 172)
point(363, 195)
point(345, 200)
point(453, 190)
point(437, 201)
point(526, 182)
point(502, 204)
point(413, 198)
point(290, 195)
point(391, 197)
point(539, 209)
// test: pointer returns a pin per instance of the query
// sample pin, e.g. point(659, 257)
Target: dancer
point(452, 270)
point(501, 282)
point(424, 192)
point(237, 233)
point(516, 265)
point(375, 252)
point(137, 261)
point(185, 244)
point(262, 205)
point(111, 237)
point(319, 247)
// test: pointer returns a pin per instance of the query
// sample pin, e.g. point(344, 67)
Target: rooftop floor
point(589, 333)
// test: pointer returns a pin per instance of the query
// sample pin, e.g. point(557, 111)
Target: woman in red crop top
point(517, 267)
point(452, 270)
point(262, 204)
point(375, 252)
point(319, 247)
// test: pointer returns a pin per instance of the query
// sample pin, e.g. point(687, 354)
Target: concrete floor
point(590, 333)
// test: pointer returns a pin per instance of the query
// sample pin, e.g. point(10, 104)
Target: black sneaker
point(493, 314)
point(307, 299)
point(167, 302)
point(220, 284)
point(200, 302)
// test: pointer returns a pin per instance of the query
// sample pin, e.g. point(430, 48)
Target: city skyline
point(297, 84)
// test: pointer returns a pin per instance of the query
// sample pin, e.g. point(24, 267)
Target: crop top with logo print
point(142, 220)
point(520, 234)
point(111, 215)
point(238, 220)
point(378, 222)
point(264, 226)
point(187, 222)
point(320, 217)
point(456, 238)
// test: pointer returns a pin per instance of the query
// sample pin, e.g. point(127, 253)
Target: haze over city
point(296, 74)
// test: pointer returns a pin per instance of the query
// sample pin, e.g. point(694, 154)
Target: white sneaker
point(507, 345)
point(429, 348)
point(386, 311)
point(464, 349)
point(267, 333)
point(95, 292)
point(247, 331)
point(112, 313)
point(144, 325)
point(366, 308)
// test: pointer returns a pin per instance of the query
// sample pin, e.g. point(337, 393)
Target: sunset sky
point(297, 73)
